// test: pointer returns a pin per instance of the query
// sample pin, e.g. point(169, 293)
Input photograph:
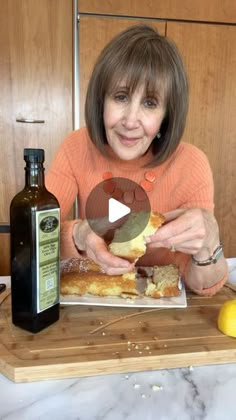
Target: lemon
point(227, 318)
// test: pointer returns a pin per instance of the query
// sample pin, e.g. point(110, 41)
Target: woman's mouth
point(128, 141)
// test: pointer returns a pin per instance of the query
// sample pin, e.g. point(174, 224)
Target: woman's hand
point(192, 231)
point(96, 249)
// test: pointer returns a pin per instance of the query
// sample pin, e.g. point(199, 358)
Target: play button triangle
point(116, 210)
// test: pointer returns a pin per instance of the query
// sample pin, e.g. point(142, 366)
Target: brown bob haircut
point(143, 56)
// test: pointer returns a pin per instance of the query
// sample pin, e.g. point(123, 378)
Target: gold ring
point(172, 248)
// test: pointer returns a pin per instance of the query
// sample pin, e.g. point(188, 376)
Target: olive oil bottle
point(35, 229)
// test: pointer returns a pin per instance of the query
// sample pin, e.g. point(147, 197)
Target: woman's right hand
point(96, 249)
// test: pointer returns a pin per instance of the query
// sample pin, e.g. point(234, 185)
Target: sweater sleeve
point(61, 182)
point(200, 191)
point(68, 248)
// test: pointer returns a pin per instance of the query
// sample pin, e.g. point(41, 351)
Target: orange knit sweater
point(183, 181)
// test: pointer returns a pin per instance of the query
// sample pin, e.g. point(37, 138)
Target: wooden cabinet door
point(210, 56)
point(94, 34)
point(35, 83)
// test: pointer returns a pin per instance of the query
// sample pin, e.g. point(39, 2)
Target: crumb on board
point(157, 388)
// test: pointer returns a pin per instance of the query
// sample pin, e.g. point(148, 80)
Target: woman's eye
point(150, 103)
point(120, 97)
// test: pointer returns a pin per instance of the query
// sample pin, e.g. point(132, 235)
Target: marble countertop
point(205, 392)
point(180, 394)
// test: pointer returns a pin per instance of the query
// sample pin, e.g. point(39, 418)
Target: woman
point(135, 110)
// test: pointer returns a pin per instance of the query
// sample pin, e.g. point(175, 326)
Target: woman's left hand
point(191, 231)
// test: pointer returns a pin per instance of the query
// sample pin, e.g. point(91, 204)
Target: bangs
point(140, 68)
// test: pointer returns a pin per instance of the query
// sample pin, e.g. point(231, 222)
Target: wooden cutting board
point(97, 340)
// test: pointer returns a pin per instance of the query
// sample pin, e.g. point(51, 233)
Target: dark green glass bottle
point(35, 230)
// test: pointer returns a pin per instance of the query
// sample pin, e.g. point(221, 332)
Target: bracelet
point(212, 259)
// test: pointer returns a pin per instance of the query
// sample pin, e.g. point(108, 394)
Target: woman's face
point(132, 121)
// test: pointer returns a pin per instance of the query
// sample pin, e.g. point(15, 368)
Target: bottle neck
point(34, 174)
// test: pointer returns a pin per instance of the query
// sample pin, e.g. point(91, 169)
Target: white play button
point(106, 208)
point(116, 210)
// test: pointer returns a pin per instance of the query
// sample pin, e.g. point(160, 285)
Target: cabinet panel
point(35, 83)
point(201, 10)
point(210, 56)
point(94, 34)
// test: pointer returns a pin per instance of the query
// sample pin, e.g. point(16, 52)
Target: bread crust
point(80, 265)
point(98, 284)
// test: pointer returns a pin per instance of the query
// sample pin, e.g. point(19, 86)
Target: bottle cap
point(34, 155)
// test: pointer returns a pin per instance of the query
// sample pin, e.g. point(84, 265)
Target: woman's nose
point(131, 117)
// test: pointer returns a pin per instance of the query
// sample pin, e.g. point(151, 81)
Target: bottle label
point(47, 254)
